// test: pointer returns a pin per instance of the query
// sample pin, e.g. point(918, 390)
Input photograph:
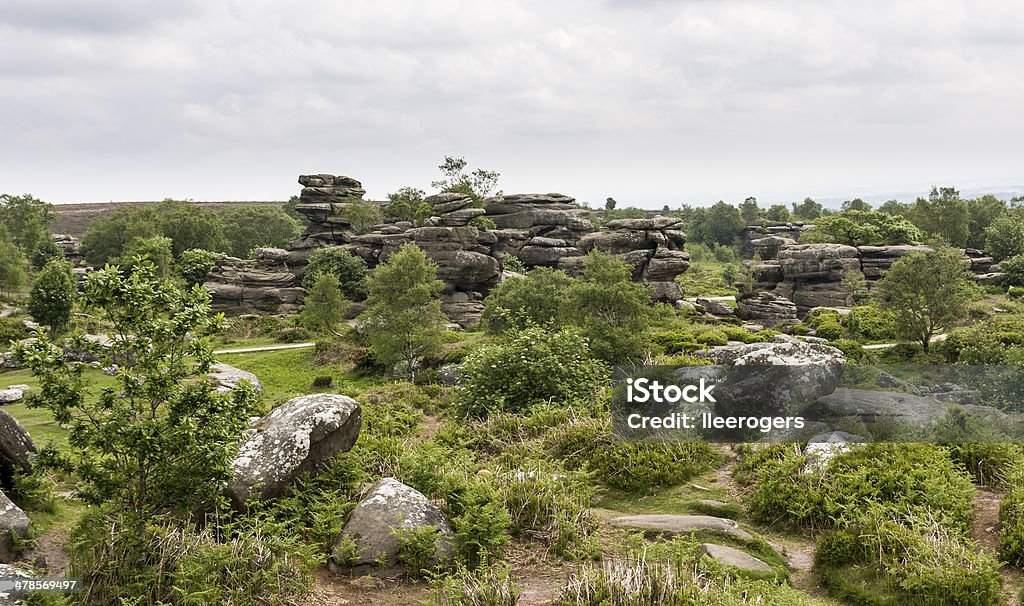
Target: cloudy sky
point(648, 101)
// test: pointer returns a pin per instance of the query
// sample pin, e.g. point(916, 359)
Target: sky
point(648, 101)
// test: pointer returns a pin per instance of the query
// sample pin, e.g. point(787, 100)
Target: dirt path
point(986, 519)
point(264, 348)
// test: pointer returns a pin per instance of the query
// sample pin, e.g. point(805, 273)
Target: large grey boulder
point(822, 448)
point(853, 406)
point(13, 522)
point(768, 308)
point(784, 379)
point(389, 508)
point(16, 446)
point(300, 436)
point(10, 395)
point(670, 525)
point(226, 378)
point(730, 556)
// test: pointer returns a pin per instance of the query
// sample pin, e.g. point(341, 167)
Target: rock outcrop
point(226, 378)
point(855, 407)
point(388, 508)
point(732, 557)
point(263, 283)
point(297, 437)
point(16, 448)
point(13, 522)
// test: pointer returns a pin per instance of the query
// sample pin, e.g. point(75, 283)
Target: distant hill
point(74, 219)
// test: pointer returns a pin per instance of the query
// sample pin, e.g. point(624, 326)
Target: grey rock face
point(265, 283)
point(715, 308)
point(862, 406)
point(735, 558)
point(767, 308)
point(16, 445)
point(12, 521)
point(390, 506)
point(668, 525)
point(300, 436)
point(226, 378)
point(10, 395)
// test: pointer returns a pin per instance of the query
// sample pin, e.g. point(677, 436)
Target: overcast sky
point(648, 101)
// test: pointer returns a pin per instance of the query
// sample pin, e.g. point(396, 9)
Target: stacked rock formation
point(263, 283)
point(323, 201)
point(752, 233)
point(540, 229)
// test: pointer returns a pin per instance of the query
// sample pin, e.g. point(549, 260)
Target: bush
point(871, 323)
point(829, 330)
point(1011, 520)
point(712, 336)
point(1014, 270)
point(1015, 292)
point(850, 348)
point(417, 549)
point(347, 268)
point(675, 341)
point(487, 587)
point(536, 300)
point(822, 314)
point(194, 264)
point(543, 366)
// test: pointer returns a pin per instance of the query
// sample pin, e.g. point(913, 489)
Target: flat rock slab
point(735, 558)
point(10, 395)
point(226, 378)
point(672, 525)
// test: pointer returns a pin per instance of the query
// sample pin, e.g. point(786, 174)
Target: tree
point(855, 204)
point(155, 250)
point(403, 323)
point(254, 226)
point(720, 224)
point(862, 228)
point(538, 299)
point(750, 212)
point(159, 441)
point(778, 213)
point(362, 215)
point(195, 264)
point(107, 237)
point(611, 310)
point(808, 210)
point(346, 267)
point(189, 226)
point(46, 252)
point(1004, 238)
point(982, 211)
point(477, 184)
point(609, 203)
point(12, 267)
point(289, 209)
point(53, 296)
point(927, 292)
point(895, 207)
point(323, 309)
point(27, 220)
point(407, 204)
point(943, 214)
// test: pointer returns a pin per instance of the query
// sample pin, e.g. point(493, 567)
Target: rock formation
point(16, 448)
point(263, 283)
point(13, 522)
point(299, 436)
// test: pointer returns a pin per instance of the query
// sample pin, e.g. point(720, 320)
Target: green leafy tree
point(362, 215)
point(289, 209)
point(943, 214)
point(155, 250)
point(323, 309)
point(53, 296)
point(159, 440)
point(538, 299)
point(895, 207)
point(720, 224)
point(855, 204)
point(256, 225)
point(403, 323)
point(1004, 238)
point(189, 226)
point(750, 212)
point(194, 265)
point(27, 220)
point(477, 184)
point(611, 310)
point(862, 228)
point(407, 204)
point(927, 293)
point(12, 267)
point(808, 210)
point(107, 237)
point(779, 213)
point(982, 211)
point(1013, 267)
point(349, 269)
point(46, 252)
point(609, 203)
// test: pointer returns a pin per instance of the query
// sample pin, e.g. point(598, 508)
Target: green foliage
point(539, 299)
point(1011, 520)
point(155, 250)
point(548, 502)
point(749, 210)
point(362, 215)
point(514, 264)
point(711, 336)
point(1004, 237)
point(611, 310)
point(871, 323)
point(829, 330)
point(159, 440)
point(1013, 267)
point(477, 184)
point(250, 226)
point(53, 296)
point(819, 315)
point(856, 205)
point(926, 293)
point(12, 267)
point(983, 211)
point(108, 236)
point(943, 214)
point(808, 210)
point(417, 549)
point(1015, 292)
point(850, 348)
point(26, 220)
point(194, 265)
point(189, 226)
point(407, 204)
point(349, 269)
point(323, 309)
point(862, 228)
point(491, 586)
point(719, 224)
point(527, 367)
point(403, 322)
point(778, 213)
point(990, 463)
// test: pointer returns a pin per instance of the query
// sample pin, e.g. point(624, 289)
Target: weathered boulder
point(784, 379)
point(768, 247)
point(844, 407)
point(730, 556)
point(297, 437)
point(389, 507)
point(715, 308)
point(10, 395)
point(669, 525)
point(767, 308)
point(822, 448)
point(13, 521)
point(16, 447)
point(226, 378)
point(265, 283)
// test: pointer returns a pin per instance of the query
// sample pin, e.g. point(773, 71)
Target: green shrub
point(553, 504)
point(990, 463)
point(871, 323)
point(349, 269)
point(322, 381)
point(850, 348)
point(1013, 267)
point(487, 587)
point(829, 330)
point(712, 336)
point(1011, 519)
point(525, 368)
point(798, 329)
point(822, 314)
point(675, 341)
point(1015, 292)
point(417, 549)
